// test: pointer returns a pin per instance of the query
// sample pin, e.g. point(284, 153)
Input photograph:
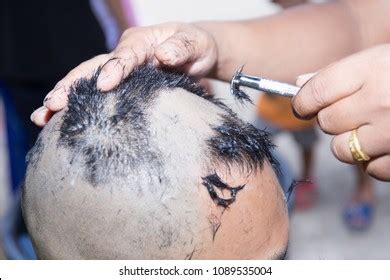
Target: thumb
point(304, 78)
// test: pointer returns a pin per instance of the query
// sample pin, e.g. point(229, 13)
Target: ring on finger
point(354, 146)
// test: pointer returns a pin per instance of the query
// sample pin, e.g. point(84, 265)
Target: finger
point(344, 115)
point(113, 72)
point(379, 168)
point(177, 50)
point(41, 116)
point(333, 83)
point(303, 79)
point(124, 59)
point(372, 142)
point(58, 97)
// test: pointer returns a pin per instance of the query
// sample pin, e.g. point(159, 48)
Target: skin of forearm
point(298, 40)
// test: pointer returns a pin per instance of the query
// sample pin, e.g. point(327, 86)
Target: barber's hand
point(353, 93)
point(183, 46)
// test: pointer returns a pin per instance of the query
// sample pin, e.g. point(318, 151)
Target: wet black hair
point(113, 139)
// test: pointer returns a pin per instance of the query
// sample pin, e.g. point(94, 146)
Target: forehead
point(255, 226)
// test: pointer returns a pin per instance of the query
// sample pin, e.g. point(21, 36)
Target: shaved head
point(154, 169)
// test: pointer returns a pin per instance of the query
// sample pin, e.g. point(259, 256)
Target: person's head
point(154, 169)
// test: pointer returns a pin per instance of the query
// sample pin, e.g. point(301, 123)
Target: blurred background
point(337, 214)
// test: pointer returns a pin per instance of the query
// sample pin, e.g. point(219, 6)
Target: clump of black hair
point(239, 143)
point(213, 181)
point(240, 95)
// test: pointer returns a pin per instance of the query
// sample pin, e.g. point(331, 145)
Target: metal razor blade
point(266, 85)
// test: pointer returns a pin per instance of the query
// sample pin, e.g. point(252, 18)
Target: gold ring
point(355, 148)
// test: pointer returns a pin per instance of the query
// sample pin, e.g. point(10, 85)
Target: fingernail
point(304, 78)
point(296, 114)
point(304, 118)
point(56, 93)
point(110, 72)
point(105, 74)
point(48, 97)
point(33, 115)
point(58, 90)
point(103, 79)
point(105, 83)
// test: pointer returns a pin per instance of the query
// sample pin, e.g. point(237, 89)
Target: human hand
point(183, 46)
point(353, 93)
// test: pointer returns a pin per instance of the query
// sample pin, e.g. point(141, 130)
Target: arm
point(299, 40)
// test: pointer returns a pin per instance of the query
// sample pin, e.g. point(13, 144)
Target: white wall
point(155, 11)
